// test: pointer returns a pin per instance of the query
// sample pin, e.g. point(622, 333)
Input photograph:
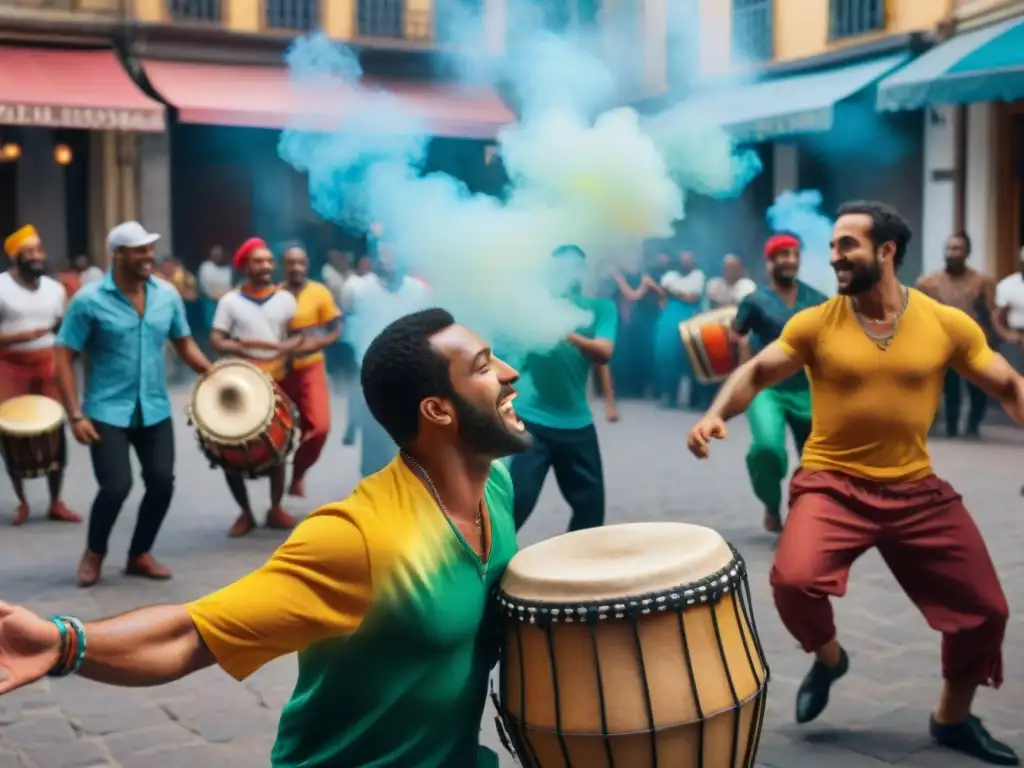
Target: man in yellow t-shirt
point(876, 356)
point(318, 319)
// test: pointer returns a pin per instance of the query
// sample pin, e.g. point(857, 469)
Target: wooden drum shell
point(681, 687)
point(261, 454)
point(29, 456)
point(709, 346)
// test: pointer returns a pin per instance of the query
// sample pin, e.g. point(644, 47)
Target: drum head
point(30, 415)
point(615, 561)
point(234, 403)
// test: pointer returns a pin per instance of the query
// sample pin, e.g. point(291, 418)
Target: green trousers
point(769, 414)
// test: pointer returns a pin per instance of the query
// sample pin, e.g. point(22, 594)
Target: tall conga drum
point(631, 646)
point(709, 345)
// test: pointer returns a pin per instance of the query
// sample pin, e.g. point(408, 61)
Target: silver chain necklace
point(884, 340)
point(478, 522)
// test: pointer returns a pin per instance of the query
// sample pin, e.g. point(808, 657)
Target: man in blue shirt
point(553, 404)
point(122, 325)
point(761, 316)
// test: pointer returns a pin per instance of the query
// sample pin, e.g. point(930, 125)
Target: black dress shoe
point(812, 698)
point(971, 738)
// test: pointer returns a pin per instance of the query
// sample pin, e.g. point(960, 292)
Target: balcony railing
point(203, 11)
point(752, 30)
point(849, 18)
point(382, 18)
point(292, 14)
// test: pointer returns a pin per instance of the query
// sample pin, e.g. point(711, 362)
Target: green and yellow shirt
point(391, 613)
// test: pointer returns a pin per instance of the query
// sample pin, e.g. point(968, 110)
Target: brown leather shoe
point(90, 569)
point(297, 488)
point(279, 519)
point(243, 525)
point(59, 511)
point(20, 515)
point(147, 567)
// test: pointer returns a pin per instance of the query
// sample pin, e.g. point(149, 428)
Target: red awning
point(264, 97)
point(73, 89)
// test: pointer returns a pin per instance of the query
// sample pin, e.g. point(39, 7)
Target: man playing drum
point(760, 318)
point(555, 408)
point(122, 325)
point(877, 356)
point(387, 596)
point(252, 322)
point(318, 319)
point(31, 308)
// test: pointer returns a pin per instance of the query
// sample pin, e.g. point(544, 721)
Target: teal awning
point(984, 64)
point(790, 105)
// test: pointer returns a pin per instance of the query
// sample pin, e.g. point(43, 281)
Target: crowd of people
point(388, 594)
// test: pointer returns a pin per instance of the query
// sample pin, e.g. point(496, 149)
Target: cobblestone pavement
point(879, 711)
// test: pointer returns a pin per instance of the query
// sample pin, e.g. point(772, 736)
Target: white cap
point(130, 234)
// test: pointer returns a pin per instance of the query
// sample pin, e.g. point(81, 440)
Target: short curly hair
point(400, 369)
point(886, 225)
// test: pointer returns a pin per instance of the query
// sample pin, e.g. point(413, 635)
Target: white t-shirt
point(373, 306)
point(676, 282)
point(724, 295)
point(213, 280)
point(22, 309)
point(1010, 296)
point(247, 319)
point(334, 280)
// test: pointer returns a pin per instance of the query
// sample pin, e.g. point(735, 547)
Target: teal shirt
point(553, 385)
point(763, 314)
point(126, 380)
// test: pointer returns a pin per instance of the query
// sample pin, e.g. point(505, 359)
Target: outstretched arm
point(774, 364)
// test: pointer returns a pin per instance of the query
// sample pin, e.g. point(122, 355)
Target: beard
point(863, 278)
point(485, 432)
point(31, 270)
point(783, 280)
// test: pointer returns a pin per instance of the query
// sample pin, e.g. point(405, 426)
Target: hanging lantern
point(9, 151)
point(62, 154)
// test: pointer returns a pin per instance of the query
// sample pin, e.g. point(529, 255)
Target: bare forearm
point(191, 355)
point(736, 394)
point(150, 646)
point(67, 382)
point(598, 351)
point(225, 345)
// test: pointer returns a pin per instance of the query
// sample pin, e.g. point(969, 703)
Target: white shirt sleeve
point(224, 316)
point(744, 287)
point(1004, 290)
point(60, 299)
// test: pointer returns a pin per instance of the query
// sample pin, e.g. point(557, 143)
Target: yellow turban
point(19, 239)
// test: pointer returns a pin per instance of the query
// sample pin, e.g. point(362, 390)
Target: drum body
point(32, 436)
point(244, 422)
point(708, 344)
point(668, 673)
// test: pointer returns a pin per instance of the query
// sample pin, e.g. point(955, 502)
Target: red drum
point(708, 342)
point(245, 423)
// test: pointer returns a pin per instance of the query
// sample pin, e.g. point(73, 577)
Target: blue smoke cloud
point(800, 213)
point(601, 178)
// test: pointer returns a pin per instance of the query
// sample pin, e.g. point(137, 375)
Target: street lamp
point(9, 151)
point(62, 154)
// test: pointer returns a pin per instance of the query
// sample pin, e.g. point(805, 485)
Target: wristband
point(59, 667)
point(79, 657)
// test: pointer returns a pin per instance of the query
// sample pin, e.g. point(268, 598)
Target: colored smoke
point(581, 173)
point(800, 213)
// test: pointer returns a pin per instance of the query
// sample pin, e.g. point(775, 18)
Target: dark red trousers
point(930, 544)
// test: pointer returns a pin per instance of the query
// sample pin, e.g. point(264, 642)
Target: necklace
point(882, 340)
point(478, 522)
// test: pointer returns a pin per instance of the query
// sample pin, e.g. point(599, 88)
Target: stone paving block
point(129, 744)
point(11, 760)
point(217, 725)
point(130, 719)
point(69, 754)
point(38, 730)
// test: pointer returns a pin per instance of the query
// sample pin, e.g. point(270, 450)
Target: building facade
point(168, 110)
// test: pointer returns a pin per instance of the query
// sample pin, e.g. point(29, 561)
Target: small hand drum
point(32, 436)
point(245, 423)
point(708, 344)
point(631, 646)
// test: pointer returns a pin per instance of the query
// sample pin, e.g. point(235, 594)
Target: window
point(196, 10)
point(292, 14)
point(752, 30)
point(849, 18)
point(382, 18)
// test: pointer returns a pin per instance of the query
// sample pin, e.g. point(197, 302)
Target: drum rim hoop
point(190, 410)
point(38, 431)
point(707, 591)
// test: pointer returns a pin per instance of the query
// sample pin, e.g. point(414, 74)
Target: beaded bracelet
point(59, 667)
point(81, 647)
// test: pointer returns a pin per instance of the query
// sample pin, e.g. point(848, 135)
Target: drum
point(245, 423)
point(32, 436)
point(631, 646)
point(707, 341)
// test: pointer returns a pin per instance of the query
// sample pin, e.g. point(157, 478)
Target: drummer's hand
point(29, 647)
point(291, 344)
point(84, 431)
point(270, 346)
point(707, 429)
